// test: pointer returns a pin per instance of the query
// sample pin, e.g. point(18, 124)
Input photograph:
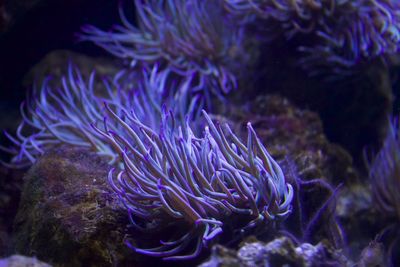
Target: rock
point(67, 214)
point(295, 138)
point(222, 257)
point(354, 199)
point(353, 109)
point(373, 255)
point(292, 133)
point(279, 252)
point(22, 261)
point(360, 218)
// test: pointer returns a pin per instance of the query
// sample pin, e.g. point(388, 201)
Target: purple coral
point(172, 176)
point(343, 33)
point(191, 37)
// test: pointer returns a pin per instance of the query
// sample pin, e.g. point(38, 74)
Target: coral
point(172, 176)
point(342, 33)
point(52, 116)
point(191, 37)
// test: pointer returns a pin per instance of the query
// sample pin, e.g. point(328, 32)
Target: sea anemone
point(190, 36)
point(57, 115)
point(343, 32)
point(201, 183)
point(384, 173)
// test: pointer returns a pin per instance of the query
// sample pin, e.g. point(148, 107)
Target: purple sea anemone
point(60, 115)
point(57, 115)
point(171, 177)
point(343, 33)
point(200, 183)
point(190, 37)
point(384, 172)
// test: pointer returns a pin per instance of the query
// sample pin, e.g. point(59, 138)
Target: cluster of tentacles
point(384, 174)
point(334, 35)
point(173, 175)
point(170, 172)
point(190, 37)
point(384, 171)
point(64, 114)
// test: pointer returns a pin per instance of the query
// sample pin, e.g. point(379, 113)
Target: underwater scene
point(209, 133)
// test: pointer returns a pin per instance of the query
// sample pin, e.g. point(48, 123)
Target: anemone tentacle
point(343, 32)
point(191, 37)
point(384, 172)
point(198, 181)
point(56, 115)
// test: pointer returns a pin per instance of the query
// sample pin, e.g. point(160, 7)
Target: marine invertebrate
point(191, 37)
point(53, 115)
point(294, 17)
point(343, 33)
point(200, 183)
point(302, 226)
point(384, 173)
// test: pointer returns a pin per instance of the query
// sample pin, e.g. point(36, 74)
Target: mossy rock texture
point(67, 214)
point(294, 134)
